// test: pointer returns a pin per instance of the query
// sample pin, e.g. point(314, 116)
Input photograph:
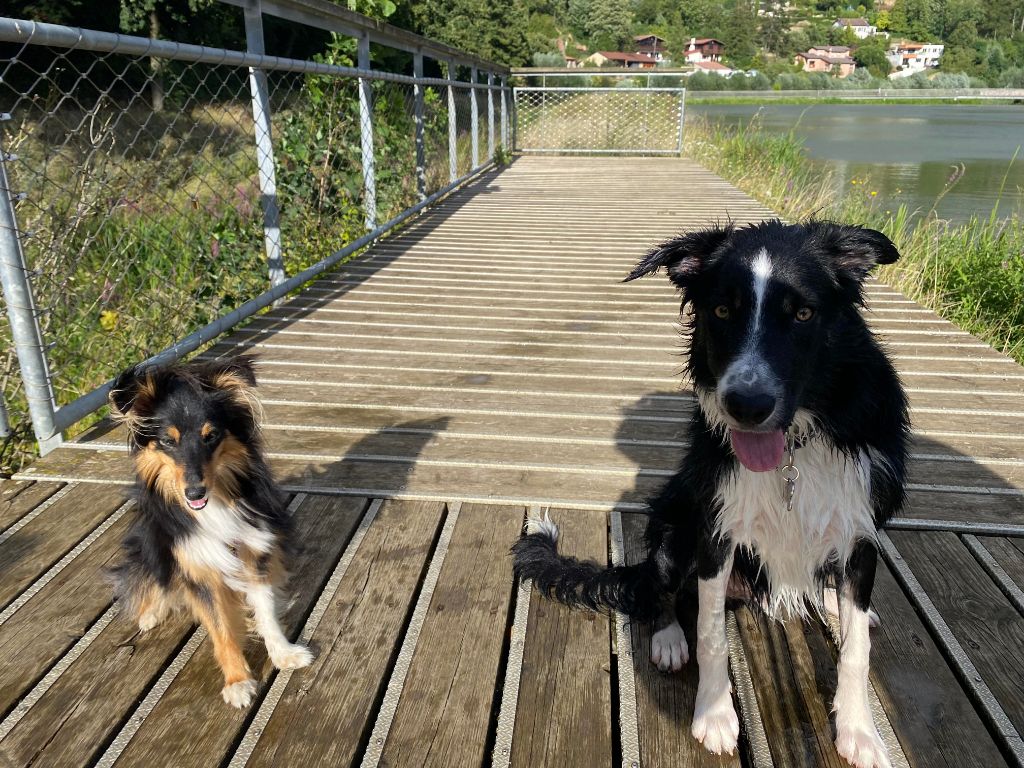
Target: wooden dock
point(480, 365)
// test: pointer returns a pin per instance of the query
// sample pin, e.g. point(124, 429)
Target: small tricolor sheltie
point(797, 454)
point(212, 532)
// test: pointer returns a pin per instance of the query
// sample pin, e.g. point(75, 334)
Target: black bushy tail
point(631, 589)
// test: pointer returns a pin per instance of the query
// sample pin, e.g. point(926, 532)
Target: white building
point(860, 27)
point(909, 58)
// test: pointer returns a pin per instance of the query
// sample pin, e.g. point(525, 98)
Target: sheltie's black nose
point(749, 408)
point(195, 492)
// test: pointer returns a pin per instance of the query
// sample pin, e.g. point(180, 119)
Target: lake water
point(908, 151)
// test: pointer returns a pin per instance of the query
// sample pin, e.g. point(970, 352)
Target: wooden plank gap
point(992, 567)
point(33, 514)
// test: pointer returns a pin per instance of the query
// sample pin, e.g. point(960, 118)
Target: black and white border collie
point(785, 372)
point(211, 533)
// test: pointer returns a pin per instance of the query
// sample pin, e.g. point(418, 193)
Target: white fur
point(283, 654)
point(715, 723)
point(221, 528)
point(857, 739)
point(239, 695)
point(831, 512)
point(669, 651)
point(545, 526)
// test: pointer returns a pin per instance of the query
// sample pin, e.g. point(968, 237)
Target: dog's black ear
point(854, 250)
point(124, 391)
point(683, 257)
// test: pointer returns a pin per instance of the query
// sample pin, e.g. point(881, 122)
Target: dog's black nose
point(195, 492)
point(749, 408)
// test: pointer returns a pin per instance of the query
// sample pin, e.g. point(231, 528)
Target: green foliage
point(871, 56)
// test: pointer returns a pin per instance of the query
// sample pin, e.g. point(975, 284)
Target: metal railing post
point(490, 115)
point(682, 114)
point(474, 117)
point(453, 169)
point(366, 135)
point(504, 114)
point(264, 146)
point(421, 155)
point(24, 320)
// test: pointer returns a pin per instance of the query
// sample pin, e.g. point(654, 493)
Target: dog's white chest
point(220, 532)
point(831, 511)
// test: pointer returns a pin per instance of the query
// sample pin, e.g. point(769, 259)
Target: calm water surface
point(908, 151)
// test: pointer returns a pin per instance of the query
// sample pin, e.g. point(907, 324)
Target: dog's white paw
point(669, 651)
point(862, 747)
point(291, 657)
point(148, 620)
point(716, 726)
point(239, 695)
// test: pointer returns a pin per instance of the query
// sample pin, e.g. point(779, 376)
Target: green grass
point(971, 273)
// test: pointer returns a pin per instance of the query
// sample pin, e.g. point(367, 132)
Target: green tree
point(914, 18)
point(871, 56)
point(774, 32)
point(738, 35)
point(609, 23)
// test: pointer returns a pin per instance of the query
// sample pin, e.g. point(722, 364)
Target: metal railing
point(154, 194)
point(599, 120)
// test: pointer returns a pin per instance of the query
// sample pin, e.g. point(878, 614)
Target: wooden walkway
point(480, 365)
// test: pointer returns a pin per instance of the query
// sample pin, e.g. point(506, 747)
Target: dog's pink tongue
point(758, 451)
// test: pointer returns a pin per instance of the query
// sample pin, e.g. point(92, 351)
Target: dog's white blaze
point(220, 529)
point(749, 367)
point(831, 512)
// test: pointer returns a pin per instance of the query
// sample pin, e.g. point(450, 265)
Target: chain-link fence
point(631, 120)
point(152, 192)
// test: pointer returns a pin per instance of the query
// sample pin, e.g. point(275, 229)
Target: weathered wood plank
point(1009, 553)
point(445, 709)
point(794, 686)
point(191, 725)
point(46, 539)
point(19, 497)
point(565, 685)
point(665, 701)
point(935, 722)
point(988, 627)
point(325, 713)
point(60, 613)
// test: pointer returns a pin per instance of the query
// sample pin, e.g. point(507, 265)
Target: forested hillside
point(983, 39)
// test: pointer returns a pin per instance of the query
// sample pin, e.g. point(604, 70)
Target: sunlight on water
point(908, 151)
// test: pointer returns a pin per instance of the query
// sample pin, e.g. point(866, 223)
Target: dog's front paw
point(669, 651)
point(291, 657)
point(862, 747)
point(716, 726)
point(148, 620)
point(239, 695)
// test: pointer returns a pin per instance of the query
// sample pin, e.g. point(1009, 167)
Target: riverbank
point(971, 272)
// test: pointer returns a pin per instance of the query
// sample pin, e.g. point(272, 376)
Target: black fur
point(831, 366)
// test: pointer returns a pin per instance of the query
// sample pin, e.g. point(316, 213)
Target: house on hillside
point(650, 45)
point(908, 58)
point(621, 59)
point(713, 67)
point(860, 27)
point(829, 50)
point(701, 49)
point(818, 59)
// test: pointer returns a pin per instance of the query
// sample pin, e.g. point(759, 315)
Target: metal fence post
point(264, 145)
point(490, 115)
point(366, 135)
point(453, 164)
point(421, 157)
point(24, 319)
point(682, 114)
point(474, 118)
point(504, 114)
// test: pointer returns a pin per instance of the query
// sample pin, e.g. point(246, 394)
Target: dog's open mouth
point(758, 451)
point(198, 503)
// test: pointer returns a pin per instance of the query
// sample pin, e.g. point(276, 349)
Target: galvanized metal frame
point(49, 420)
point(543, 90)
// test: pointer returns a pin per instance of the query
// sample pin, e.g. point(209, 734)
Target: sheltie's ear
point(236, 378)
point(133, 396)
point(683, 257)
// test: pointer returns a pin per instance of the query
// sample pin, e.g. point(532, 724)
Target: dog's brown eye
point(804, 314)
point(722, 312)
point(211, 436)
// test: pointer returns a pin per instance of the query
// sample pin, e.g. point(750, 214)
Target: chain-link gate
point(154, 194)
point(621, 121)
